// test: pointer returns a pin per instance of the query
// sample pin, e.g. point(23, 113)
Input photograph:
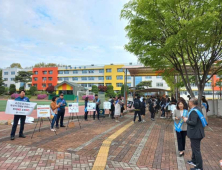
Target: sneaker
point(191, 163)
point(162, 117)
point(12, 137)
point(144, 121)
point(53, 130)
point(22, 136)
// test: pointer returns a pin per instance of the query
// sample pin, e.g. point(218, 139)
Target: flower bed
point(41, 96)
point(14, 96)
point(91, 97)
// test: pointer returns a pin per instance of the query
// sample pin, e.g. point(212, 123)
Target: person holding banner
point(61, 111)
point(195, 131)
point(118, 104)
point(180, 126)
point(22, 118)
point(97, 101)
point(86, 112)
point(54, 111)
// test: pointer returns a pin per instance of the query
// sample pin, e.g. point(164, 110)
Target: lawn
point(3, 104)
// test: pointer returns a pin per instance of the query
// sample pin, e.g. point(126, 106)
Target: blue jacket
point(63, 101)
point(24, 99)
point(86, 104)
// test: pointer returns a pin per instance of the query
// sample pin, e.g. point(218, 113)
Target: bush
point(27, 92)
point(14, 96)
point(21, 88)
point(2, 89)
point(50, 89)
point(12, 89)
point(32, 90)
point(91, 97)
point(6, 90)
point(41, 96)
point(40, 92)
point(29, 96)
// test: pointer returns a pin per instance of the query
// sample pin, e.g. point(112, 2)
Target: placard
point(19, 108)
point(73, 107)
point(43, 111)
point(106, 105)
point(173, 107)
point(91, 107)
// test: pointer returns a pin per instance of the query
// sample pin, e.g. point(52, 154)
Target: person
point(137, 105)
point(97, 101)
point(195, 131)
point(163, 104)
point(180, 127)
point(185, 103)
point(118, 104)
point(22, 118)
point(204, 108)
point(205, 101)
point(143, 109)
point(54, 111)
point(61, 110)
point(86, 112)
point(167, 106)
point(112, 108)
point(152, 107)
point(122, 108)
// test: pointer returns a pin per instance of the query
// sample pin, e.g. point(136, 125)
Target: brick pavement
point(150, 145)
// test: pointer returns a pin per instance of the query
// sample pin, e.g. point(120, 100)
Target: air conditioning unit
point(92, 64)
point(130, 63)
point(111, 64)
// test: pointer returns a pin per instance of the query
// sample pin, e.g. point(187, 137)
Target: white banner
point(106, 105)
point(91, 106)
point(19, 108)
point(73, 107)
point(43, 111)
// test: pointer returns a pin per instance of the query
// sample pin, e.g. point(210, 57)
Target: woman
point(54, 112)
point(143, 109)
point(118, 104)
point(204, 108)
point(86, 112)
point(180, 126)
point(167, 108)
point(122, 109)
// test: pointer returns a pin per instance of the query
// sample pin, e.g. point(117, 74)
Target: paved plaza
point(107, 145)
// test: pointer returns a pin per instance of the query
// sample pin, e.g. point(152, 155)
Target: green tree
point(144, 85)
point(2, 90)
point(15, 65)
point(12, 89)
point(21, 88)
point(42, 64)
point(110, 92)
point(1, 79)
point(95, 89)
point(32, 90)
point(122, 90)
point(182, 35)
point(24, 77)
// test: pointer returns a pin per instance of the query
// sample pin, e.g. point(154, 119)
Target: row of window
point(91, 78)
point(101, 84)
point(150, 77)
point(12, 73)
point(43, 72)
point(12, 79)
point(83, 71)
point(43, 85)
point(43, 78)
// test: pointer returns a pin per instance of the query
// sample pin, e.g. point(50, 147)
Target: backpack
point(137, 104)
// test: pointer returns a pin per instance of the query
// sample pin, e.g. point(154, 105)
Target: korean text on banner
point(106, 105)
point(19, 108)
point(43, 111)
point(91, 107)
point(73, 107)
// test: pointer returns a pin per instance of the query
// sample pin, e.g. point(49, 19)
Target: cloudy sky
point(73, 32)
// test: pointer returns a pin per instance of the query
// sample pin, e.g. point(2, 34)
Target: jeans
point(94, 113)
point(15, 123)
point(163, 113)
point(61, 114)
point(53, 121)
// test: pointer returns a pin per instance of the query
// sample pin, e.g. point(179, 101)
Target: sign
point(43, 111)
point(102, 99)
point(73, 107)
point(173, 107)
point(19, 108)
point(91, 107)
point(106, 105)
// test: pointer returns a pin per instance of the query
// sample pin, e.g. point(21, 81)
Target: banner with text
point(106, 105)
point(73, 107)
point(91, 106)
point(43, 111)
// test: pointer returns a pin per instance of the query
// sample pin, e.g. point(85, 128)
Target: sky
point(70, 32)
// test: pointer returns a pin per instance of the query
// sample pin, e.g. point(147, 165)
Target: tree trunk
point(220, 92)
point(200, 94)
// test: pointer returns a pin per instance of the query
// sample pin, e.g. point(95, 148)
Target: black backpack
point(137, 104)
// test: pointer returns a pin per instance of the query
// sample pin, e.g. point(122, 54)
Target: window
point(84, 67)
point(128, 77)
point(5, 85)
point(66, 72)
point(108, 77)
point(119, 70)
point(101, 71)
point(5, 73)
point(109, 70)
point(50, 84)
point(91, 71)
point(60, 72)
point(75, 72)
point(50, 72)
point(84, 85)
point(83, 78)
point(195, 93)
point(108, 84)
point(29, 85)
point(159, 84)
point(6, 79)
point(79, 67)
point(36, 72)
point(90, 85)
point(43, 85)
point(159, 77)
point(12, 79)
point(75, 78)
point(44, 72)
point(148, 77)
point(100, 84)
point(119, 77)
point(66, 78)
point(35, 85)
point(90, 78)
point(129, 84)
point(101, 78)
point(50, 78)
point(119, 84)
point(60, 79)
point(208, 84)
point(84, 71)
point(12, 73)
point(44, 78)
point(35, 78)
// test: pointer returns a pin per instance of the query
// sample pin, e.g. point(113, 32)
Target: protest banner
point(73, 107)
point(91, 107)
point(106, 105)
point(43, 111)
point(19, 108)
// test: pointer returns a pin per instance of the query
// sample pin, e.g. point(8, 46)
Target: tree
point(1, 79)
point(144, 85)
point(24, 77)
point(110, 92)
point(95, 89)
point(15, 65)
point(12, 89)
point(2, 90)
point(21, 88)
point(46, 65)
point(182, 35)
point(102, 88)
point(32, 90)
point(122, 90)
point(50, 89)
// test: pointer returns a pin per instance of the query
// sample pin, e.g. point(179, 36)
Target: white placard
point(173, 107)
point(106, 105)
point(43, 111)
point(73, 107)
point(19, 108)
point(91, 106)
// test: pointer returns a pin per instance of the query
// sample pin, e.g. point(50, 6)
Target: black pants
point(112, 113)
point(15, 123)
point(181, 140)
point(152, 114)
point(86, 115)
point(196, 154)
point(61, 114)
point(163, 113)
point(135, 114)
point(94, 113)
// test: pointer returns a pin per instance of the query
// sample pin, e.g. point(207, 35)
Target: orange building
point(214, 81)
point(44, 77)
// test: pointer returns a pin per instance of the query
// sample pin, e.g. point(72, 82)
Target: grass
point(3, 103)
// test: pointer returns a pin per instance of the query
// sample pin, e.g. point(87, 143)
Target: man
point(163, 104)
point(22, 118)
point(112, 107)
point(137, 105)
point(152, 108)
point(97, 101)
point(195, 131)
point(61, 110)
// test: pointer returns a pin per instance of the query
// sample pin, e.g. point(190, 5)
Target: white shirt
point(181, 112)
